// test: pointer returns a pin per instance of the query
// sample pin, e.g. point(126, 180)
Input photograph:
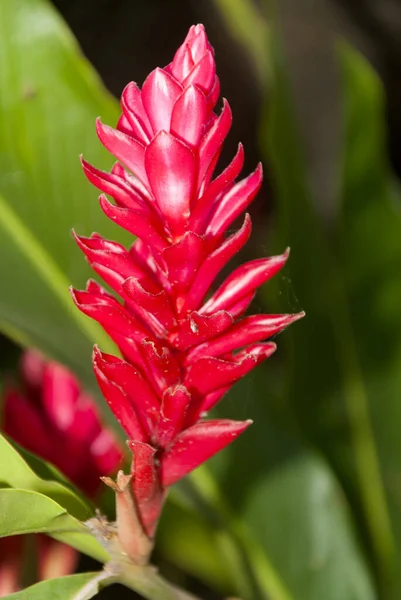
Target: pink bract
point(50, 415)
point(183, 347)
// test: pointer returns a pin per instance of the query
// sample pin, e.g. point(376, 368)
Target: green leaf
point(299, 517)
point(368, 244)
point(336, 387)
point(23, 511)
point(292, 513)
point(19, 469)
point(49, 99)
point(74, 587)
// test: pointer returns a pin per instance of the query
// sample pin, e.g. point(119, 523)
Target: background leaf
point(74, 587)
point(321, 560)
point(18, 471)
point(23, 511)
point(345, 387)
point(49, 99)
point(368, 243)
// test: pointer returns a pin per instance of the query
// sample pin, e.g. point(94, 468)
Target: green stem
point(147, 582)
point(363, 440)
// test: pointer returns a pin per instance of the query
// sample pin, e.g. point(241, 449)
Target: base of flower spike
point(131, 536)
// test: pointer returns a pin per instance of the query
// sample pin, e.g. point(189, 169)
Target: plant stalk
point(147, 582)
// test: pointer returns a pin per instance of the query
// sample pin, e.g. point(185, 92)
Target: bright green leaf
point(74, 587)
point(49, 99)
point(20, 471)
point(299, 517)
point(24, 511)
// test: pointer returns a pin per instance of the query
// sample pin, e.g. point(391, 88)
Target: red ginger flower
point(50, 415)
point(182, 350)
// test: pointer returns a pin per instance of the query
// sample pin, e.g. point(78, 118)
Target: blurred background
point(307, 504)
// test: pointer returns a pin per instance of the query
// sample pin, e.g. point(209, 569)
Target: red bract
point(50, 415)
point(182, 348)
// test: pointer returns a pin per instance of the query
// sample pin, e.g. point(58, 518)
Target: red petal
point(158, 305)
point(11, 565)
point(162, 367)
point(32, 366)
point(27, 425)
point(234, 202)
point(189, 116)
point(197, 328)
point(214, 94)
point(243, 281)
point(147, 490)
point(109, 313)
point(159, 93)
point(86, 425)
point(248, 330)
point(115, 186)
point(171, 169)
point(109, 259)
point(183, 259)
point(196, 445)
point(136, 222)
point(129, 350)
point(131, 102)
point(199, 44)
point(106, 453)
point(211, 400)
point(124, 148)
point(173, 412)
point(203, 74)
point(182, 63)
point(133, 183)
point(239, 308)
point(203, 207)
point(214, 263)
point(213, 140)
point(143, 256)
point(60, 394)
point(210, 374)
point(124, 125)
point(126, 379)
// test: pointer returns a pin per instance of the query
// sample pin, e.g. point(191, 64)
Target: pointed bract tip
point(78, 238)
point(145, 450)
point(96, 353)
point(259, 169)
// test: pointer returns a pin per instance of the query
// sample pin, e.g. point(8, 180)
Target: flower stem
point(147, 582)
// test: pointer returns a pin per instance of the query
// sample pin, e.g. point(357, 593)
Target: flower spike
point(183, 346)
